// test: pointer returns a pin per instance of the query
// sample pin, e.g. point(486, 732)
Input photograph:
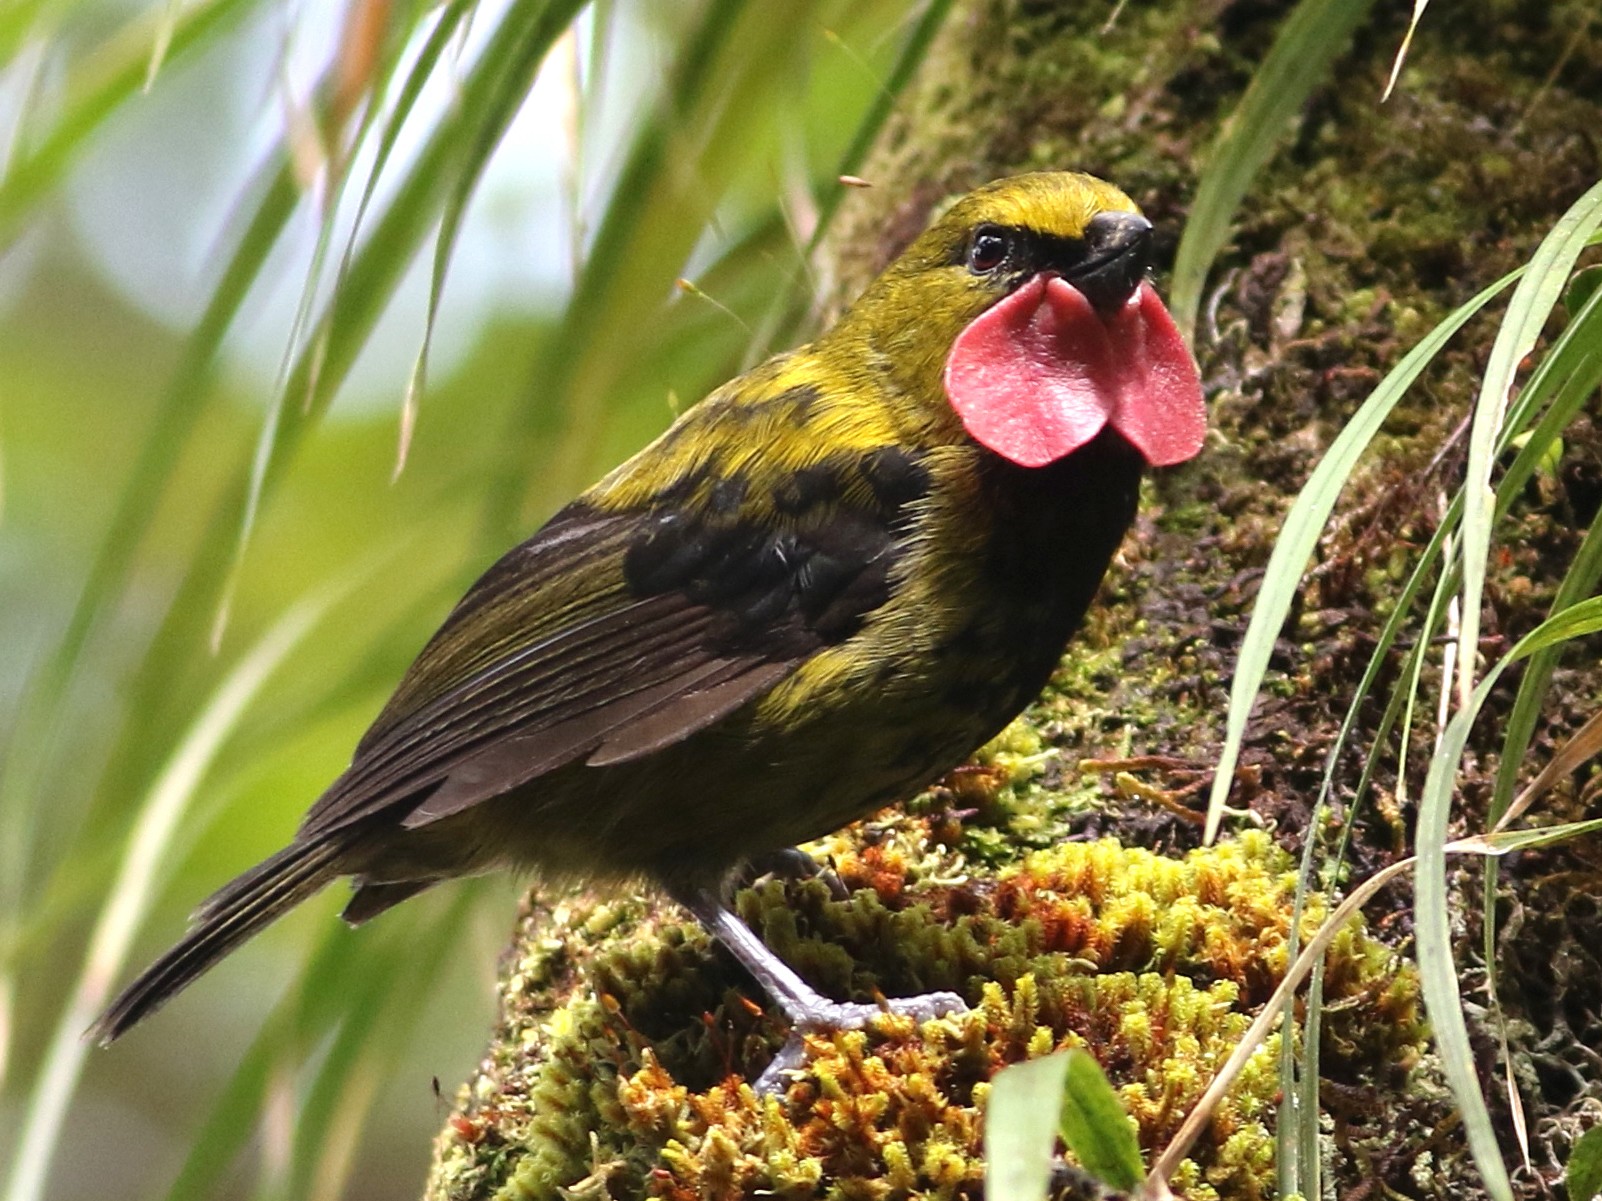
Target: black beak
point(1117, 254)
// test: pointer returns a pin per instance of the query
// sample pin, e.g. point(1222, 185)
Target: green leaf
point(1583, 1176)
point(1574, 622)
point(1582, 287)
point(1438, 979)
point(1526, 315)
point(1308, 43)
point(1299, 537)
point(141, 874)
point(1096, 1127)
point(1021, 1128)
point(1504, 841)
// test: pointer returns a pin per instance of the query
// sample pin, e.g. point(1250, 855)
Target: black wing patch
point(608, 636)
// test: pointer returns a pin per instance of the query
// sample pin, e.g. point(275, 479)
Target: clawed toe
point(829, 1016)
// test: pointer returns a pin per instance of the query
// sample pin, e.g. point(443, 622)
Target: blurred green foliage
point(140, 428)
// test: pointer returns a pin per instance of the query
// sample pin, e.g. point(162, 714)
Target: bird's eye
point(988, 248)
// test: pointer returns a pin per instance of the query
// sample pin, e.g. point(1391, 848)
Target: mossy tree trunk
point(1372, 222)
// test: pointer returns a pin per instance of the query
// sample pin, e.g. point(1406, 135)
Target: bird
point(818, 591)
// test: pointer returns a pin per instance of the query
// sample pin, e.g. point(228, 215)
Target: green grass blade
point(235, 1115)
point(1021, 1128)
point(27, 762)
point(511, 53)
point(547, 19)
point(1312, 37)
point(913, 51)
point(450, 22)
point(1297, 1135)
point(1572, 359)
point(1299, 537)
point(1502, 842)
point(19, 23)
point(665, 194)
point(338, 163)
point(1433, 933)
point(375, 1019)
point(1432, 913)
point(1096, 1127)
point(135, 887)
point(1578, 620)
point(1582, 342)
point(1526, 316)
point(790, 305)
point(1576, 359)
point(97, 90)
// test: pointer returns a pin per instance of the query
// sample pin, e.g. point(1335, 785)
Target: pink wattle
point(1039, 373)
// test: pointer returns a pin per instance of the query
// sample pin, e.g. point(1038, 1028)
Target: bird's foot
point(809, 1011)
point(821, 1016)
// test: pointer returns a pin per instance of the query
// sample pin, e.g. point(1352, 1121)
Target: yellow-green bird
point(821, 589)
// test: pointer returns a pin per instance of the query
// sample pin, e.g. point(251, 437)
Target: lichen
point(636, 1040)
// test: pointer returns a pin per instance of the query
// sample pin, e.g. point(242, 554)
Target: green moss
point(608, 1078)
point(636, 1041)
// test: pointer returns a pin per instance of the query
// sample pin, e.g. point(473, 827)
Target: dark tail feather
point(238, 910)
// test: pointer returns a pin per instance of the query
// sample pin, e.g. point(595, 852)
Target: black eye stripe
point(1022, 252)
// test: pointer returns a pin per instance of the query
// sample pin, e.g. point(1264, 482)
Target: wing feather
point(611, 634)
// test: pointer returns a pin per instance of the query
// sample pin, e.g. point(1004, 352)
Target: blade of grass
point(1432, 915)
point(1570, 398)
point(235, 1115)
point(1526, 316)
point(422, 68)
point(1585, 743)
point(1299, 537)
point(1578, 354)
point(1275, 1008)
point(1263, 1025)
point(109, 78)
point(19, 22)
point(375, 1020)
point(1433, 936)
point(507, 63)
point(1298, 1133)
point(502, 107)
point(42, 710)
point(1576, 357)
point(1501, 842)
point(113, 78)
point(161, 42)
point(1021, 1127)
point(1401, 51)
point(791, 304)
point(661, 200)
point(1312, 37)
point(134, 889)
point(913, 51)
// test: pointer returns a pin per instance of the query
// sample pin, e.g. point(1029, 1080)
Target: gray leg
point(809, 1011)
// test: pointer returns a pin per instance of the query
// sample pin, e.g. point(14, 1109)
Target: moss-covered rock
point(629, 1041)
